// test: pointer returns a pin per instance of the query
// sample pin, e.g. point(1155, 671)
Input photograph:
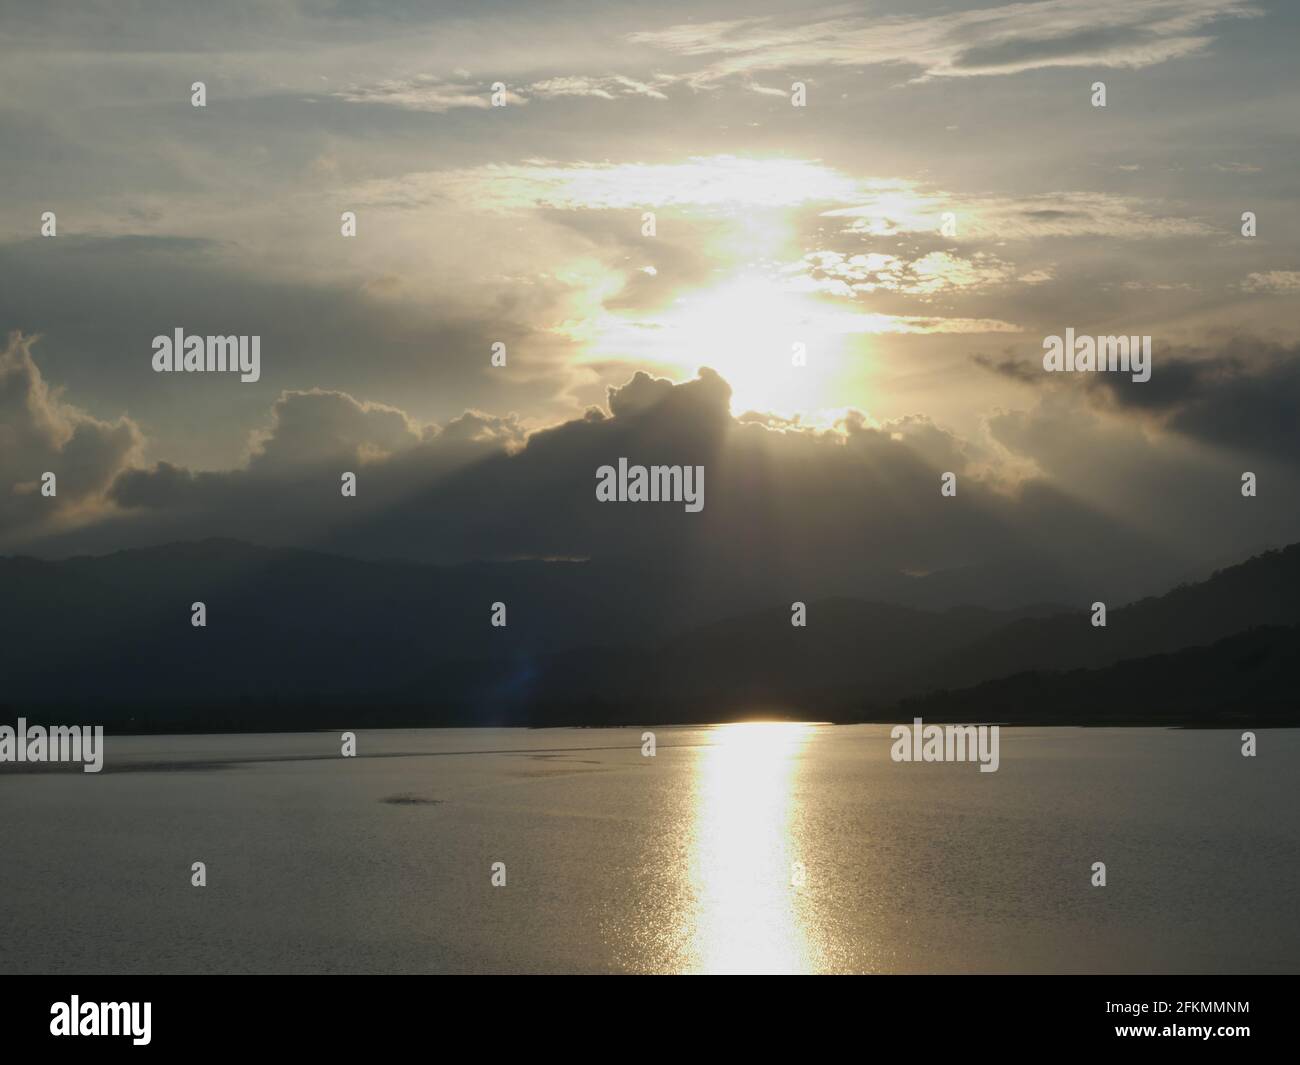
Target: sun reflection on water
point(745, 864)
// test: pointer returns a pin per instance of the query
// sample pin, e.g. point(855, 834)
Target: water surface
point(737, 848)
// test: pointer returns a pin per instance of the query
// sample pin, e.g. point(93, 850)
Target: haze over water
point(737, 848)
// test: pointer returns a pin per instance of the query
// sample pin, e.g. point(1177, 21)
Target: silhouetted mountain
point(301, 639)
point(847, 649)
point(860, 659)
point(1261, 591)
point(294, 623)
point(1247, 680)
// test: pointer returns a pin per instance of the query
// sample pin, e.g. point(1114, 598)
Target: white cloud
point(893, 207)
point(926, 275)
point(606, 88)
point(425, 93)
point(719, 181)
point(1006, 39)
point(1279, 281)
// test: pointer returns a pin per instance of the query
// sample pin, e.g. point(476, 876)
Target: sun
point(764, 340)
point(778, 349)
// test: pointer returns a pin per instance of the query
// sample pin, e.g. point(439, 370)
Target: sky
point(775, 225)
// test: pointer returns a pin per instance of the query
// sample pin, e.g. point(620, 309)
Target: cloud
point(923, 275)
point(317, 429)
point(97, 302)
point(322, 426)
point(1007, 39)
point(640, 394)
point(839, 322)
point(1240, 396)
point(1278, 281)
point(1025, 373)
point(892, 207)
point(719, 182)
point(425, 93)
point(1059, 498)
point(610, 87)
point(1155, 286)
point(40, 433)
point(289, 490)
point(1237, 397)
point(724, 182)
point(835, 509)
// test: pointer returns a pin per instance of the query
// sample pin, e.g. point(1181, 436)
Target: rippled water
point(777, 847)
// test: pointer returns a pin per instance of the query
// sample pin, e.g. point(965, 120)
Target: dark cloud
point(794, 510)
point(639, 394)
point(321, 426)
point(289, 491)
point(39, 433)
point(1243, 396)
point(1011, 368)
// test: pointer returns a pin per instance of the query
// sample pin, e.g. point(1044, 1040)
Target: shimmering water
point(782, 848)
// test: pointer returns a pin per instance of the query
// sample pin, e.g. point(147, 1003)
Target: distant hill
point(299, 639)
point(1245, 680)
point(286, 624)
point(856, 660)
point(848, 649)
point(1262, 591)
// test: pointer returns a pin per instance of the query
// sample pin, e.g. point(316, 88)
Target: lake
point(737, 848)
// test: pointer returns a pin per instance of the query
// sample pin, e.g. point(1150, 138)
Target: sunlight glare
point(745, 851)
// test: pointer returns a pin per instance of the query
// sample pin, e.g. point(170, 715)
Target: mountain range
point(303, 639)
